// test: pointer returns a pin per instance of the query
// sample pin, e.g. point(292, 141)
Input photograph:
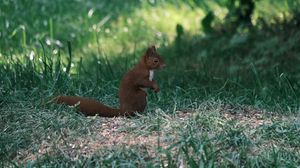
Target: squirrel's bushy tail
point(88, 107)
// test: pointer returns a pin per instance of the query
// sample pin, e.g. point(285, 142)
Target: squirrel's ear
point(153, 48)
point(150, 51)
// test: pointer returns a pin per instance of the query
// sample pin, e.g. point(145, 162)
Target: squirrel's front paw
point(156, 90)
point(155, 87)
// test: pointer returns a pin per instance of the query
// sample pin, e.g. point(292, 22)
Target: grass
point(226, 100)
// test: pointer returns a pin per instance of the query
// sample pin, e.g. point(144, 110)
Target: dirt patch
point(247, 116)
point(107, 133)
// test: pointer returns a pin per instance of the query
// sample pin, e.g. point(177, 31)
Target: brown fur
point(131, 95)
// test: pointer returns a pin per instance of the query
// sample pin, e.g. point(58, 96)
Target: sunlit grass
point(278, 10)
point(145, 26)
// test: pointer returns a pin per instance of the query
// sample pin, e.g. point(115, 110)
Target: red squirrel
point(132, 95)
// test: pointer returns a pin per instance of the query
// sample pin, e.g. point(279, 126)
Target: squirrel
point(132, 90)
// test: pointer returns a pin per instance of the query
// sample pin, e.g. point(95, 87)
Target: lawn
point(228, 98)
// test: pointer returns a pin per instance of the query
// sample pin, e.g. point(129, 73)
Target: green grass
point(226, 100)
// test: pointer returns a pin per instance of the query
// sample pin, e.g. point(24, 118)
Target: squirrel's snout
point(163, 66)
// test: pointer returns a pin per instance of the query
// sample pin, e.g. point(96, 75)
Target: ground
point(175, 139)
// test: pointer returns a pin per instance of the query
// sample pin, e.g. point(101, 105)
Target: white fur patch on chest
point(151, 75)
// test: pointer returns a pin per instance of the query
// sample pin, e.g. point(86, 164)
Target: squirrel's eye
point(156, 61)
